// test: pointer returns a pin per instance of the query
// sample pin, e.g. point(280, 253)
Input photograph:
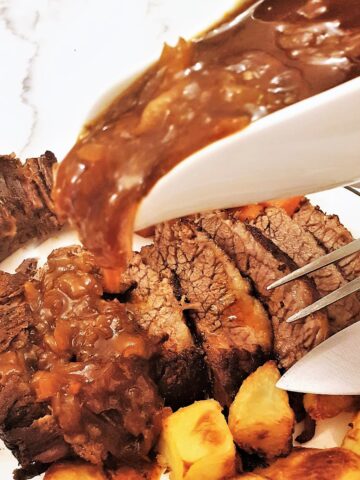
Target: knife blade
point(332, 368)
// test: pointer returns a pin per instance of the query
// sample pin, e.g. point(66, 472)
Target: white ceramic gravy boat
point(310, 146)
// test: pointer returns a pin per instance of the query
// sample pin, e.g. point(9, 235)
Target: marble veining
point(59, 57)
point(26, 81)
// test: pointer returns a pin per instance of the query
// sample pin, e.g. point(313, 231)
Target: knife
point(332, 368)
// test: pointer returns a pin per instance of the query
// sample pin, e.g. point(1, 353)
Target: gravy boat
point(310, 146)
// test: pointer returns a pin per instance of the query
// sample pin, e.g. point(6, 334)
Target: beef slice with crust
point(233, 326)
point(15, 314)
point(262, 261)
point(179, 370)
point(302, 248)
point(115, 412)
point(26, 208)
point(42, 441)
point(20, 414)
point(330, 234)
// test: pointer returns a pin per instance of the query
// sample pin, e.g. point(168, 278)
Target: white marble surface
point(58, 56)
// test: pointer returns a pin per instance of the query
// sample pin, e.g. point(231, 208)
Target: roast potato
point(260, 417)
point(196, 443)
point(313, 464)
point(249, 476)
point(74, 471)
point(320, 407)
point(84, 471)
point(150, 472)
point(352, 438)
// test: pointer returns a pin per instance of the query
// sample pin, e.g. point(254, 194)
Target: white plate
point(339, 201)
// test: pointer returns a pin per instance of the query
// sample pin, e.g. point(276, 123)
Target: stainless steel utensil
point(341, 292)
point(332, 368)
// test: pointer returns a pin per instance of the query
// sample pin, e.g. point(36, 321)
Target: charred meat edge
point(179, 370)
point(263, 262)
point(302, 248)
point(26, 208)
point(217, 294)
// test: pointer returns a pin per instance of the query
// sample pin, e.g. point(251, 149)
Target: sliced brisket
point(42, 441)
point(260, 259)
point(233, 326)
point(20, 414)
point(26, 208)
point(73, 371)
point(302, 248)
point(15, 314)
point(331, 234)
point(180, 370)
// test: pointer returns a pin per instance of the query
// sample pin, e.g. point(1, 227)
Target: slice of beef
point(302, 248)
point(26, 208)
point(42, 441)
point(114, 417)
point(74, 374)
point(331, 234)
point(233, 326)
point(20, 413)
point(17, 401)
point(15, 314)
point(180, 370)
point(262, 261)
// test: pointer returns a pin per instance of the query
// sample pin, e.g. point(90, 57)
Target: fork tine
point(353, 190)
point(341, 292)
point(338, 254)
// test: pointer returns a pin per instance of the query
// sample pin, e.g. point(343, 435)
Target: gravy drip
point(247, 66)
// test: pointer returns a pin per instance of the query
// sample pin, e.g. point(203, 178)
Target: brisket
point(26, 208)
point(262, 261)
point(15, 315)
point(179, 371)
point(42, 441)
point(20, 414)
point(73, 371)
point(330, 234)
point(302, 248)
point(232, 325)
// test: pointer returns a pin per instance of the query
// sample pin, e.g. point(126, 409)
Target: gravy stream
point(199, 91)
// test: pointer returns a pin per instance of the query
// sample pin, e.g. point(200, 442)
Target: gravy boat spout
point(310, 146)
